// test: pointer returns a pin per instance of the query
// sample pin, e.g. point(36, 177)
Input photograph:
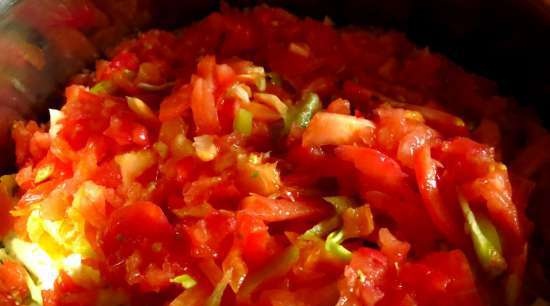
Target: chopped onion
point(133, 164)
point(141, 108)
point(55, 125)
point(273, 101)
point(240, 92)
point(205, 147)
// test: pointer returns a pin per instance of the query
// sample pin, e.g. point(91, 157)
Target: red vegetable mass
point(256, 158)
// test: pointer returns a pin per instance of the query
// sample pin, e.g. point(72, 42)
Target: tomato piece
point(465, 158)
point(378, 169)
point(13, 285)
point(278, 210)
point(394, 124)
point(225, 75)
point(253, 238)
point(209, 235)
point(442, 278)
point(495, 188)
point(412, 141)
point(67, 292)
point(108, 174)
point(409, 216)
point(357, 222)
point(440, 120)
point(176, 104)
point(80, 95)
point(364, 277)
point(442, 217)
point(136, 225)
point(391, 247)
point(204, 109)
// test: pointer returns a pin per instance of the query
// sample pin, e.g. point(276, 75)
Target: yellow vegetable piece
point(43, 173)
point(141, 108)
point(133, 164)
point(205, 147)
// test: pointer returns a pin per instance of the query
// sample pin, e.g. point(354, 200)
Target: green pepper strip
point(215, 298)
point(243, 122)
point(103, 87)
point(333, 246)
point(279, 267)
point(485, 239)
point(309, 105)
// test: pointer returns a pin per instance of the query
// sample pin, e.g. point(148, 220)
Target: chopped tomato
point(377, 168)
point(294, 162)
point(137, 226)
point(442, 216)
point(176, 104)
point(13, 284)
point(204, 108)
point(279, 210)
point(444, 277)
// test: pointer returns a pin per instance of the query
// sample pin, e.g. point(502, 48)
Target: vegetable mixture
point(255, 158)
